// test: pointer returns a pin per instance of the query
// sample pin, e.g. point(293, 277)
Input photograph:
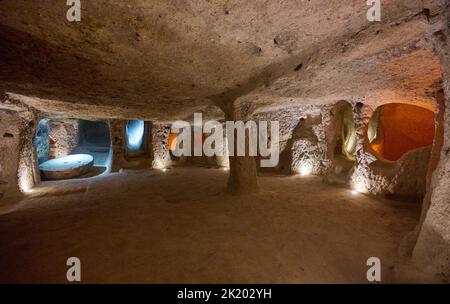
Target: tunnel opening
point(395, 129)
point(341, 143)
point(135, 135)
point(346, 140)
point(136, 138)
point(68, 148)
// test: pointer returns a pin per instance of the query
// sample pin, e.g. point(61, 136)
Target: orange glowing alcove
point(172, 141)
point(398, 128)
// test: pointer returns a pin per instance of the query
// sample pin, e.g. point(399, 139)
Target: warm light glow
point(24, 186)
point(359, 182)
point(25, 182)
point(305, 169)
point(395, 129)
point(360, 187)
point(159, 164)
point(172, 141)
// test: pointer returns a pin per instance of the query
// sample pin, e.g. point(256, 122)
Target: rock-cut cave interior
point(88, 162)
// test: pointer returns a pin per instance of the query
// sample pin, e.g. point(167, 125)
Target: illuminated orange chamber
point(402, 128)
point(172, 141)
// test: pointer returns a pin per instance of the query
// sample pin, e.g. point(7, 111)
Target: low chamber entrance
point(69, 148)
point(136, 133)
point(345, 146)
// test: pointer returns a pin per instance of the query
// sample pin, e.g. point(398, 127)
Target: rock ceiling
point(165, 59)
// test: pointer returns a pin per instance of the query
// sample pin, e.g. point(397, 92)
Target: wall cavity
point(303, 144)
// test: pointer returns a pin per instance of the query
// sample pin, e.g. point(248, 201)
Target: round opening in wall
point(396, 129)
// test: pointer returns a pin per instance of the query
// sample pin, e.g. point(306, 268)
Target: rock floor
point(180, 227)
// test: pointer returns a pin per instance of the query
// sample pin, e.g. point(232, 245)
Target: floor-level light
point(305, 169)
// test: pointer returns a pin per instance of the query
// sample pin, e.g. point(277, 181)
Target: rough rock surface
point(9, 152)
point(302, 137)
point(133, 61)
point(432, 251)
point(42, 141)
point(160, 153)
point(291, 61)
point(64, 137)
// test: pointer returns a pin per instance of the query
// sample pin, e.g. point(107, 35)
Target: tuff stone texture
point(308, 142)
point(9, 152)
point(160, 152)
point(302, 137)
point(64, 137)
point(132, 62)
point(18, 159)
point(243, 170)
point(118, 143)
point(432, 250)
point(42, 141)
point(121, 157)
point(265, 60)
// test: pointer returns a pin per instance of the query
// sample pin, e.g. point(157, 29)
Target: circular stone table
point(67, 167)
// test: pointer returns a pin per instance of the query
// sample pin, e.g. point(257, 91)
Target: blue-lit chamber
point(135, 134)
